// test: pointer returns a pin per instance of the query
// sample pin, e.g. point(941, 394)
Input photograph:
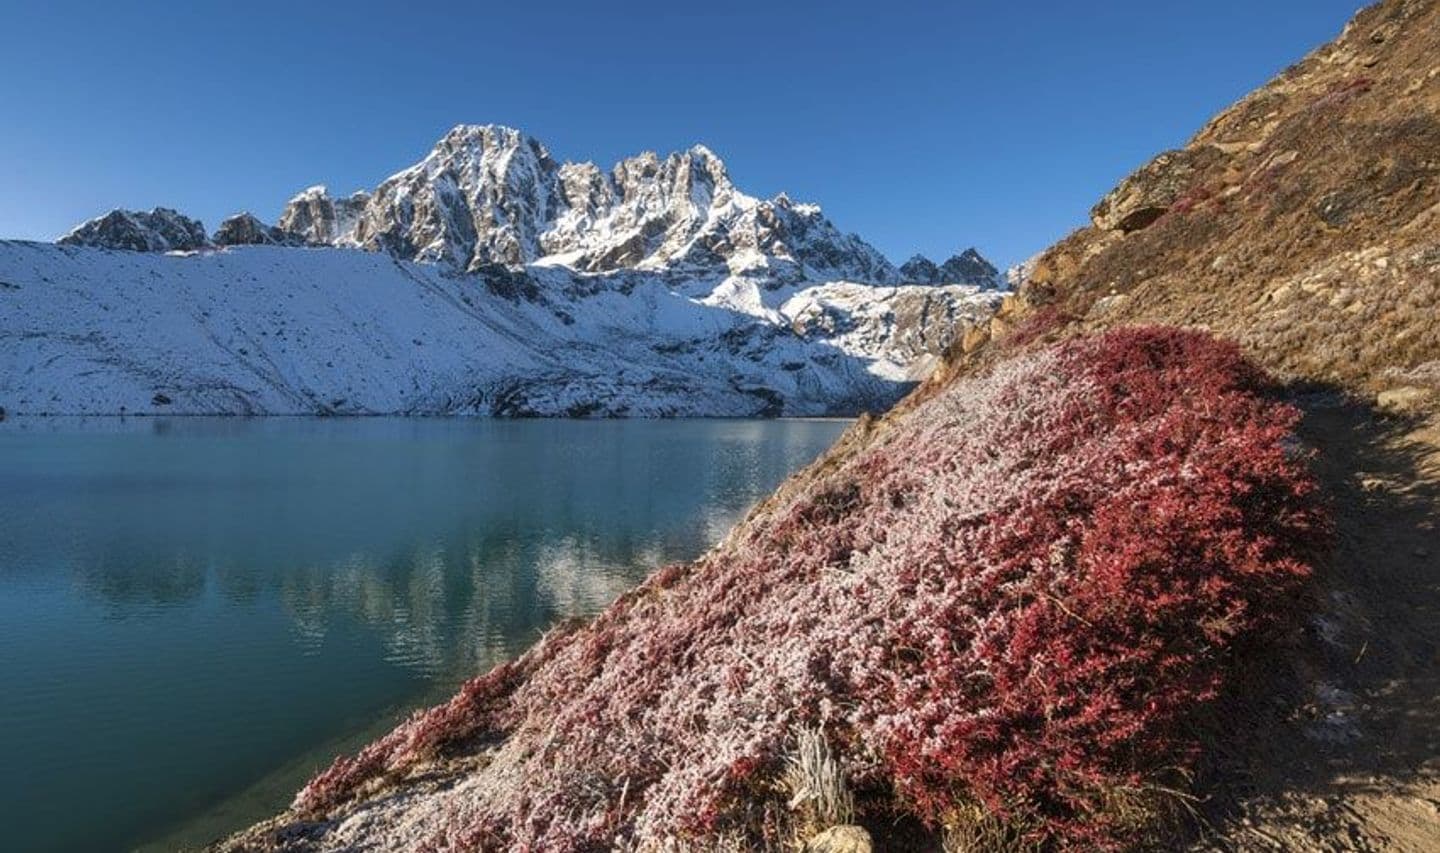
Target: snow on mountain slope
point(496, 281)
point(277, 330)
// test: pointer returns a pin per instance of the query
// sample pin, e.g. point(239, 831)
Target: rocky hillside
point(1304, 222)
point(497, 281)
point(1301, 224)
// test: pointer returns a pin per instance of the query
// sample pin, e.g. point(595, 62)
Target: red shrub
point(1043, 321)
point(1019, 597)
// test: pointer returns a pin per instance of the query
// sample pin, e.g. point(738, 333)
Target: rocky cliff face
point(159, 230)
point(488, 194)
point(491, 194)
point(323, 220)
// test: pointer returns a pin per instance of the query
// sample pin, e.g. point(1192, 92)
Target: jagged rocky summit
point(495, 280)
point(489, 194)
point(159, 230)
point(968, 267)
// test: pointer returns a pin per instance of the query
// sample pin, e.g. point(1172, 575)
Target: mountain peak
point(968, 267)
point(158, 230)
point(491, 194)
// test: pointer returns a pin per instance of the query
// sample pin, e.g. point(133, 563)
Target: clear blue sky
point(922, 126)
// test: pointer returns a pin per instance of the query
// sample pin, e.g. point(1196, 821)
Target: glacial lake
point(197, 614)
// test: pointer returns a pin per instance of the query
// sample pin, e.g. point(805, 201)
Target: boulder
point(1151, 191)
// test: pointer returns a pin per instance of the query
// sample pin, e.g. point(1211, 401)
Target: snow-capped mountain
point(497, 281)
point(490, 194)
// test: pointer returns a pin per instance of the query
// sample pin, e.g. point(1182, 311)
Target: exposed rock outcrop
point(492, 194)
point(919, 270)
point(158, 230)
point(243, 229)
point(968, 268)
point(323, 220)
point(1153, 190)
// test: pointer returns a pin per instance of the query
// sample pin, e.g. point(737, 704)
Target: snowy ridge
point(494, 281)
point(276, 330)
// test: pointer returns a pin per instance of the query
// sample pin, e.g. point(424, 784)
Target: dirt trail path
point(1346, 756)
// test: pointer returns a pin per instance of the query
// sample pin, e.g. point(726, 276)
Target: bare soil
point(1339, 745)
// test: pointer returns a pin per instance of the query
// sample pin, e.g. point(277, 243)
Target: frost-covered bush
point(1011, 604)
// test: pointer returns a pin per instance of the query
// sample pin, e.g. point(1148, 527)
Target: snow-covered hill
point(275, 330)
point(487, 278)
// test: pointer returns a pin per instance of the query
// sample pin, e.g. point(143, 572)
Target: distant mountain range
point(537, 287)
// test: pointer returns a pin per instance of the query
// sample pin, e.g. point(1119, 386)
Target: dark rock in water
point(244, 229)
point(160, 230)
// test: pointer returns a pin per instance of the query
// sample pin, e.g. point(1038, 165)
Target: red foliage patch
point(1041, 322)
point(1194, 199)
point(1020, 596)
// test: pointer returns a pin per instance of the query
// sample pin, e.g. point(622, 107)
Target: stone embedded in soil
point(840, 839)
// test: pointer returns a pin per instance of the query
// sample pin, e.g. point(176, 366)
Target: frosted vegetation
point(1003, 618)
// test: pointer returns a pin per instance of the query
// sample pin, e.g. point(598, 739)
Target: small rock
point(846, 838)
point(1406, 400)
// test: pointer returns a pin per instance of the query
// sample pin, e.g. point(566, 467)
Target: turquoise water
point(196, 614)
